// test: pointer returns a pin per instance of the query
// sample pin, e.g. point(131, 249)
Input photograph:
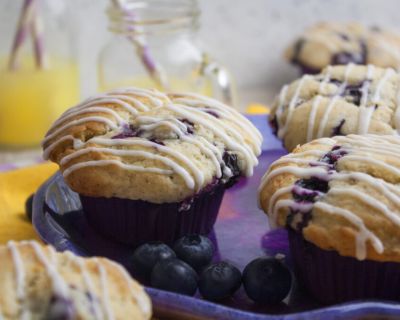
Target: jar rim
point(145, 16)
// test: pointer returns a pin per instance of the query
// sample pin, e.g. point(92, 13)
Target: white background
point(248, 36)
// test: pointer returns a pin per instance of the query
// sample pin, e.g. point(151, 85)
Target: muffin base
point(331, 278)
point(135, 222)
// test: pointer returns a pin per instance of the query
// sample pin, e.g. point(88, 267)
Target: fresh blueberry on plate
point(146, 256)
point(219, 281)
point(266, 280)
point(29, 206)
point(195, 250)
point(174, 275)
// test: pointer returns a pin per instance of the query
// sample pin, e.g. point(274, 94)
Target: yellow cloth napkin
point(15, 187)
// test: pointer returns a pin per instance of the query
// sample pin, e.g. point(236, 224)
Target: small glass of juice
point(39, 76)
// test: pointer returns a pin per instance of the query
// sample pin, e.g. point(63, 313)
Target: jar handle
point(222, 82)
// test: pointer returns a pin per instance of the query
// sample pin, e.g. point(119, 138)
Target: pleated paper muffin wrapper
point(331, 278)
point(135, 222)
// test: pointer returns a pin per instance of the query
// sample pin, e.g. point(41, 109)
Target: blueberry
point(29, 206)
point(174, 275)
point(146, 256)
point(219, 281)
point(60, 309)
point(266, 280)
point(195, 250)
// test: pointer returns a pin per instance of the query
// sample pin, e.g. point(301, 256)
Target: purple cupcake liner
point(135, 222)
point(331, 278)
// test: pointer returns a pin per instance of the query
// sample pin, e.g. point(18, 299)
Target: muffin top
point(342, 193)
point(36, 282)
point(146, 145)
point(339, 101)
point(333, 43)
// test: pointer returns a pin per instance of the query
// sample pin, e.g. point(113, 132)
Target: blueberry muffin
point(331, 43)
point(340, 200)
point(36, 282)
point(152, 166)
point(340, 100)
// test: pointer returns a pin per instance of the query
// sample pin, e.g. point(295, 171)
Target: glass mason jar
point(38, 70)
point(154, 46)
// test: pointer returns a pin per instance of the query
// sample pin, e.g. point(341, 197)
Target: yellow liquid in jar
point(32, 99)
point(174, 85)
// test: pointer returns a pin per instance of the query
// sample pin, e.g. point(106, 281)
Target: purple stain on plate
point(275, 242)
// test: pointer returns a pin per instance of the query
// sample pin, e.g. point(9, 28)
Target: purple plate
point(241, 234)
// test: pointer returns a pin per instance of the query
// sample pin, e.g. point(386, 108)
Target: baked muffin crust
point(146, 145)
point(342, 193)
point(341, 100)
point(36, 282)
point(334, 43)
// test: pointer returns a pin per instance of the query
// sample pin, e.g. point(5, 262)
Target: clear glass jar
point(38, 71)
point(154, 45)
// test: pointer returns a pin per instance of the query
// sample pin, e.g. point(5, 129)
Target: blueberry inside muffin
point(340, 200)
point(334, 43)
point(142, 152)
point(40, 283)
point(340, 100)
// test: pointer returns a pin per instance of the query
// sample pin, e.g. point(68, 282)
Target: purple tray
point(239, 235)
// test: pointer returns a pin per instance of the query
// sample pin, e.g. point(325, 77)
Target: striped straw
point(143, 51)
point(38, 40)
point(22, 32)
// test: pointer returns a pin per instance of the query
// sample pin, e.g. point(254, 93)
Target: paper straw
point(143, 51)
point(22, 32)
point(38, 40)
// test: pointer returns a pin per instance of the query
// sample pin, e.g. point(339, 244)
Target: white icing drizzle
point(365, 112)
point(214, 125)
point(366, 150)
point(19, 270)
point(60, 287)
point(292, 104)
point(144, 154)
point(99, 119)
point(49, 259)
point(137, 292)
point(314, 107)
point(227, 113)
point(284, 111)
point(379, 206)
point(362, 236)
point(100, 163)
point(396, 118)
point(332, 103)
point(87, 281)
point(105, 296)
point(191, 107)
point(279, 110)
point(377, 96)
point(379, 163)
